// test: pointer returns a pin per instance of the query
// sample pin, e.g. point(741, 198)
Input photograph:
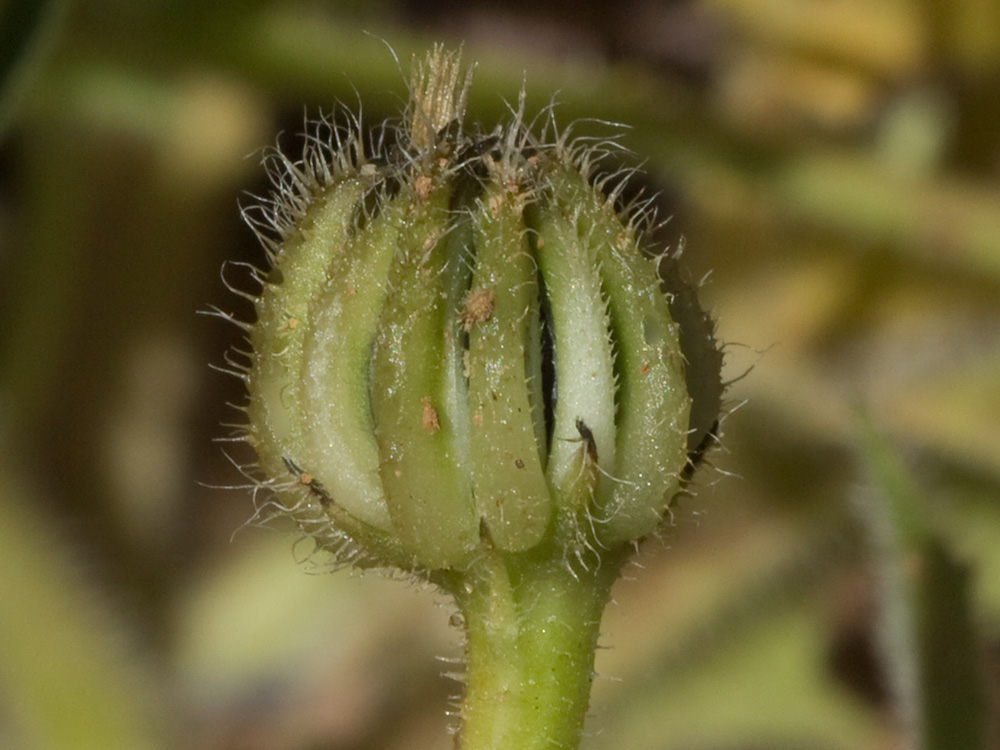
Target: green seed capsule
point(427, 485)
point(278, 423)
point(345, 313)
point(508, 478)
point(654, 407)
point(463, 350)
point(584, 360)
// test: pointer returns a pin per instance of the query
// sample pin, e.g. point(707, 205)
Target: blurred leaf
point(69, 678)
point(930, 647)
point(27, 33)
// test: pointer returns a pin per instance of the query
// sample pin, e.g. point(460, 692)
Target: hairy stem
point(532, 628)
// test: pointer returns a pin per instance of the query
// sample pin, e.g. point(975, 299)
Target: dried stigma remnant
point(449, 313)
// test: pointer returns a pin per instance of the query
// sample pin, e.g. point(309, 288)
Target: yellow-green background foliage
point(835, 164)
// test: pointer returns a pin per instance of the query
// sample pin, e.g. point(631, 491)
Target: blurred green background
point(834, 169)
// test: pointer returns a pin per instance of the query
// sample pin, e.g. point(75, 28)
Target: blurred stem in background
point(929, 643)
point(28, 32)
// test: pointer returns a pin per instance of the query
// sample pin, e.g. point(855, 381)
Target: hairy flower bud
point(462, 345)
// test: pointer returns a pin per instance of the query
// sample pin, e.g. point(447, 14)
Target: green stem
point(532, 628)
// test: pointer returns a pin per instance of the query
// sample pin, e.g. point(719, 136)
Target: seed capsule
point(464, 347)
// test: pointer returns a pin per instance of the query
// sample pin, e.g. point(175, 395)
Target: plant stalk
point(532, 628)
